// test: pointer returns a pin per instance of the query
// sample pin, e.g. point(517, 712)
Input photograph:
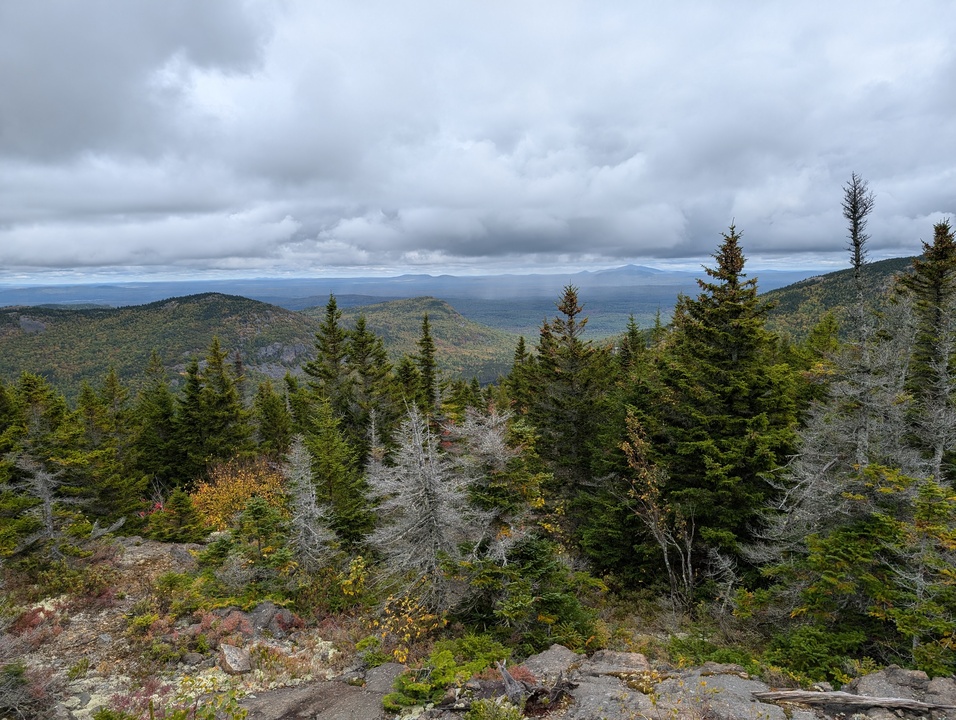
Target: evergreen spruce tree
point(329, 372)
point(156, 454)
point(408, 381)
point(272, 420)
point(42, 471)
point(427, 364)
point(105, 449)
point(374, 397)
point(931, 378)
point(191, 429)
point(211, 422)
point(632, 346)
point(178, 521)
point(613, 535)
point(300, 402)
point(518, 383)
point(725, 412)
point(339, 483)
point(570, 380)
point(225, 418)
point(8, 417)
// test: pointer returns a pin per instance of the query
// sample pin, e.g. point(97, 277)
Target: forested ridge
point(797, 308)
point(790, 504)
point(67, 345)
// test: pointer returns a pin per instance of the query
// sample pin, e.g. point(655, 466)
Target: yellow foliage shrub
point(402, 623)
point(232, 484)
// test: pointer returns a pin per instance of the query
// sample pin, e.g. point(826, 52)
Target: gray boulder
point(555, 661)
point(234, 660)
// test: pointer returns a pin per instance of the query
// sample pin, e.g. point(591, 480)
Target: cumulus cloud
point(259, 137)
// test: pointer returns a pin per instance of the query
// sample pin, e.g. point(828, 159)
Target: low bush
point(452, 662)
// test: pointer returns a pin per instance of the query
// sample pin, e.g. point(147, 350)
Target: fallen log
point(844, 699)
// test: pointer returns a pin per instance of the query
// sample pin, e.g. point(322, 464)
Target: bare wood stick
point(842, 698)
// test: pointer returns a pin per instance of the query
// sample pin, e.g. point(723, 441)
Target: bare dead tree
point(863, 421)
point(857, 204)
point(311, 538)
point(482, 456)
point(41, 484)
point(424, 505)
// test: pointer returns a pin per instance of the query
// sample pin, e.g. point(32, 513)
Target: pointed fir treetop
point(427, 365)
point(729, 271)
point(569, 328)
point(331, 346)
point(726, 320)
point(933, 276)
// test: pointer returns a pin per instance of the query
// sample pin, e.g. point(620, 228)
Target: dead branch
point(839, 698)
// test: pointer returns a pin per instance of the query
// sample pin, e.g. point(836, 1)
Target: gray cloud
point(259, 137)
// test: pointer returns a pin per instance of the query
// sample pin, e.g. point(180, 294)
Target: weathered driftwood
point(548, 696)
point(845, 699)
point(514, 691)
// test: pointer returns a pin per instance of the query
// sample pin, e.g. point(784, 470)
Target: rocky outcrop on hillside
point(279, 670)
point(624, 686)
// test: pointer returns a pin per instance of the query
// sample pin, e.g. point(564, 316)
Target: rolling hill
point(801, 305)
point(465, 348)
point(68, 346)
point(71, 344)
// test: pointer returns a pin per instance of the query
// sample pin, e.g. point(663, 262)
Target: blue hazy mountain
point(629, 281)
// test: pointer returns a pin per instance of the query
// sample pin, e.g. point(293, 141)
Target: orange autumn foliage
point(232, 484)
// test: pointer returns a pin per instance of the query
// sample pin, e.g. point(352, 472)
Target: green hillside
point(465, 349)
point(800, 306)
point(70, 345)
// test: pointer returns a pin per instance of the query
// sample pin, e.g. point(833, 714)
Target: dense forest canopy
point(800, 489)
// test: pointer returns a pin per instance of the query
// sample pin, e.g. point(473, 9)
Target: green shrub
point(452, 662)
point(78, 669)
point(817, 652)
point(178, 593)
point(369, 649)
point(140, 625)
point(535, 600)
point(697, 648)
point(491, 710)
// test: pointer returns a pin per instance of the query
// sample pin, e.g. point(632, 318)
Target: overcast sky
point(185, 137)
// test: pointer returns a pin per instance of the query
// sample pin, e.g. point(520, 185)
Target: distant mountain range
point(609, 296)
point(475, 336)
point(298, 293)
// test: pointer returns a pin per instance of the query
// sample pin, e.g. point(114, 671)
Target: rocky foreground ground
point(284, 672)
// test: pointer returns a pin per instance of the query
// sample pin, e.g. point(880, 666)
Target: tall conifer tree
point(374, 397)
point(570, 381)
point(329, 371)
point(105, 451)
point(726, 411)
point(155, 451)
point(339, 483)
point(272, 420)
point(427, 364)
point(932, 378)
point(225, 418)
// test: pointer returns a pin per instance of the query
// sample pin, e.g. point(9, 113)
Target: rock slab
point(234, 660)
